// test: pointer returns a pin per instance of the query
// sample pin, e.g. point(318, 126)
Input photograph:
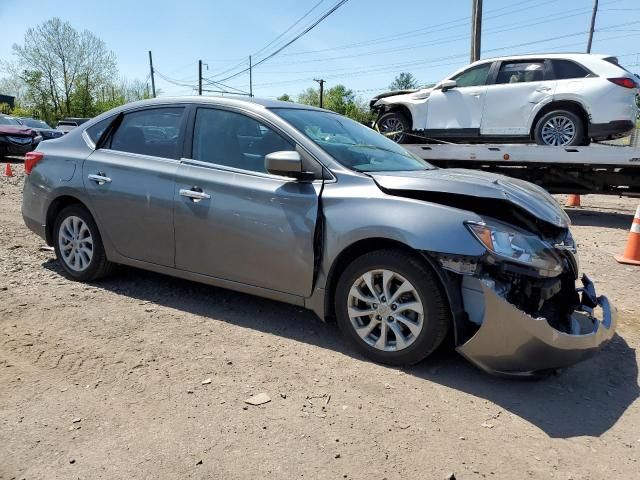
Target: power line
point(294, 39)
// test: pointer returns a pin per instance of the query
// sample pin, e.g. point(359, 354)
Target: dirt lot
point(110, 381)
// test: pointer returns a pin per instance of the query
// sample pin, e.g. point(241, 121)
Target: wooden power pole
point(476, 29)
point(321, 82)
point(593, 25)
point(199, 77)
point(153, 80)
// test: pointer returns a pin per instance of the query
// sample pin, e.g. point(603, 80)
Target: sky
point(363, 45)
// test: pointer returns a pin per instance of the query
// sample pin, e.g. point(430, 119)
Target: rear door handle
point(100, 178)
point(543, 89)
point(195, 194)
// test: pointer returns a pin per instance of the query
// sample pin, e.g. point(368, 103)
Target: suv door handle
point(195, 194)
point(543, 89)
point(100, 178)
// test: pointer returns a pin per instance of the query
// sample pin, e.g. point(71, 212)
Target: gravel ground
point(145, 376)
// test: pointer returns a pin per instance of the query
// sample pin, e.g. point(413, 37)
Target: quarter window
point(520, 72)
point(228, 138)
point(152, 132)
point(564, 69)
point(473, 76)
point(95, 131)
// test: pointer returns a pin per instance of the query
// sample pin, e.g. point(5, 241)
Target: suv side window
point(564, 69)
point(228, 138)
point(154, 131)
point(473, 76)
point(520, 72)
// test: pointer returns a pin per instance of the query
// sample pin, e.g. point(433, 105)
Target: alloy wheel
point(392, 128)
point(76, 243)
point(385, 310)
point(558, 131)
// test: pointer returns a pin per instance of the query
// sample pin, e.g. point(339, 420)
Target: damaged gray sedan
point(307, 207)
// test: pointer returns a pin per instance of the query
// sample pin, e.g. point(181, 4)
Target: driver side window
point(473, 76)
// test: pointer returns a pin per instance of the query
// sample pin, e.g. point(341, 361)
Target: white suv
point(554, 99)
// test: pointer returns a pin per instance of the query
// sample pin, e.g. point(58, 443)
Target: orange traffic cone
point(631, 255)
point(573, 200)
point(7, 171)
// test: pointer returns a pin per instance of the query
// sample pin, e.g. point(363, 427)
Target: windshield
point(8, 121)
point(350, 143)
point(32, 122)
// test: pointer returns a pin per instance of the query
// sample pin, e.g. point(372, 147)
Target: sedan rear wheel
point(390, 306)
point(78, 245)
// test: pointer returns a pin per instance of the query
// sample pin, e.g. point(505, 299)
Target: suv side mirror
point(448, 85)
point(286, 164)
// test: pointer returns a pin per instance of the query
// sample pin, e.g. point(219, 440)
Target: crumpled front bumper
point(510, 342)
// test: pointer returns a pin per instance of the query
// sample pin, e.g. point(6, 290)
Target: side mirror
point(448, 85)
point(285, 163)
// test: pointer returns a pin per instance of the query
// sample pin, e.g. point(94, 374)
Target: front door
point(235, 221)
point(519, 89)
point(130, 182)
point(457, 112)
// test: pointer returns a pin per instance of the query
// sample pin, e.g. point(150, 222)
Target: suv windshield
point(350, 143)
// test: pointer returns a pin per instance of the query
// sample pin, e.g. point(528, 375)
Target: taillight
point(625, 82)
point(30, 161)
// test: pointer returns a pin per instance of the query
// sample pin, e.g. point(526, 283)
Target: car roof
point(252, 103)
point(530, 56)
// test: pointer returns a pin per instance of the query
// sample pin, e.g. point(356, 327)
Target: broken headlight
point(520, 247)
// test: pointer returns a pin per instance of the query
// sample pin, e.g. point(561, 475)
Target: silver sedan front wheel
point(76, 243)
point(385, 310)
point(391, 306)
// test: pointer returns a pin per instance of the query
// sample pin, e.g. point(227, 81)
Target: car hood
point(472, 183)
point(17, 131)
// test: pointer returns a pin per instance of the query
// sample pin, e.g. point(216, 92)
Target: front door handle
point(195, 194)
point(100, 178)
point(543, 89)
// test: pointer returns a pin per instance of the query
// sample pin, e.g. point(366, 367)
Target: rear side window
point(228, 138)
point(96, 131)
point(565, 69)
point(520, 72)
point(152, 132)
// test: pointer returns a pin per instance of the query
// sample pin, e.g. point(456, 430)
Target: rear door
point(235, 221)
point(130, 181)
point(519, 89)
point(457, 112)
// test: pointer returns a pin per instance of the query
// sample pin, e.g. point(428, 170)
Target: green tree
point(338, 99)
point(66, 65)
point(285, 98)
point(404, 81)
point(311, 96)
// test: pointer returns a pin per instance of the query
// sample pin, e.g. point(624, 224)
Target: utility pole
point(250, 78)
point(593, 25)
point(321, 82)
point(199, 77)
point(476, 29)
point(153, 81)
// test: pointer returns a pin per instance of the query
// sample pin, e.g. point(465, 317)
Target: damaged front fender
point(511, 342)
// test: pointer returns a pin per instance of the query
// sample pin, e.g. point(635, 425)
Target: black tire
point(579, 137)
point(437, 313)
point(98, 266)
point(388, 122)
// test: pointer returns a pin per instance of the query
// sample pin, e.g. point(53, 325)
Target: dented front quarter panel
point(510, 342)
